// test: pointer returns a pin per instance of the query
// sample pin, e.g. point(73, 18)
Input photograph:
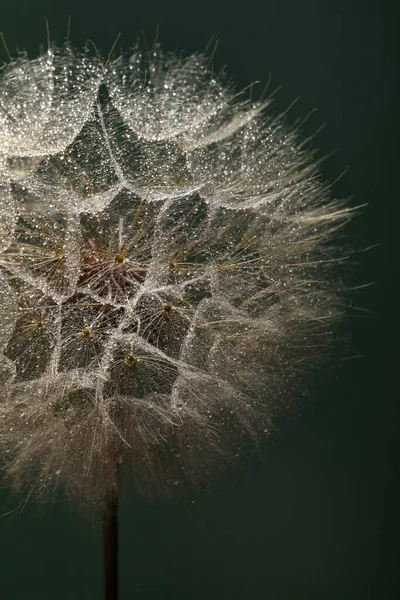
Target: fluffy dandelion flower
point(165, 269)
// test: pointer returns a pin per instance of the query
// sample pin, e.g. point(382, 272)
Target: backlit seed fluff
point(165, 270)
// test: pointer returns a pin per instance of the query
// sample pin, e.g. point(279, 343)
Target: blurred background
point(318, 517)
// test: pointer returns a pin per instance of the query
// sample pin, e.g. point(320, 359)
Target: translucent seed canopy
point(45, 102)
point(165, 269)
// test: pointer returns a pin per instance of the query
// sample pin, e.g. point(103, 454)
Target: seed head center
point(86, 332)
point(131, 360)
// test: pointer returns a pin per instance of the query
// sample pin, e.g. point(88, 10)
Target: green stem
point(110, 547)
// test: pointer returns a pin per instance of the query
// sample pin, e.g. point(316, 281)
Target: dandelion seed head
point(165, 269)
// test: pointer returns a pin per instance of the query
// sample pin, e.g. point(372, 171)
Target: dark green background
point(319, 519)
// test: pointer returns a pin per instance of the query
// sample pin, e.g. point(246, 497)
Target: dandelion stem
point(110, 546)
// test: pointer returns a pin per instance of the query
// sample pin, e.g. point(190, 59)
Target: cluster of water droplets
point(164, 268)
